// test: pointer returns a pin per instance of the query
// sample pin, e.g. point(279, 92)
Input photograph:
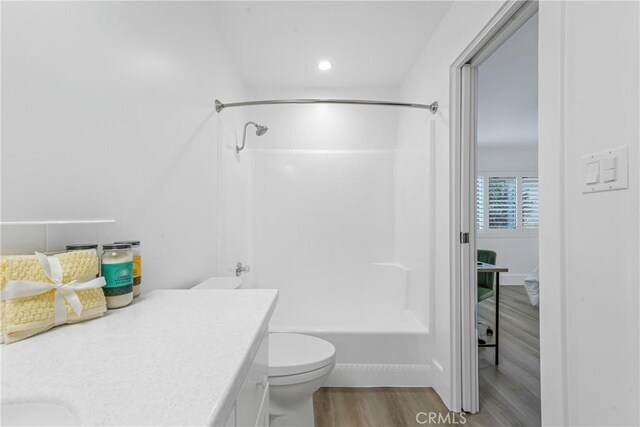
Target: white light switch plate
point(605, 171)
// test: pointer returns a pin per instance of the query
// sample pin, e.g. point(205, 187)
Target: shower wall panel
point(320, 219)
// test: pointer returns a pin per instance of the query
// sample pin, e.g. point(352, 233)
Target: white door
point(468, 273)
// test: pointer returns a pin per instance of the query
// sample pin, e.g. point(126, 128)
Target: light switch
point(610, 169)
point(592, 172)
point(606, 170)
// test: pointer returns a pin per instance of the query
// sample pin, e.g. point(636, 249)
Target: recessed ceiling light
point(324, 65)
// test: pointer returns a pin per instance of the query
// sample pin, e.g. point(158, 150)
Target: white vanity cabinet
point(252, 404)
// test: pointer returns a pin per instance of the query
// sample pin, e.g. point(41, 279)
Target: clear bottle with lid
point(117, 270)
point(137, 265)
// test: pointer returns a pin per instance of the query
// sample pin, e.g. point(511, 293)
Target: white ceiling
point(508, 91)
point(279, 44)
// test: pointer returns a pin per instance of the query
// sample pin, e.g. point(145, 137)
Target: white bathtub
point(378, 342)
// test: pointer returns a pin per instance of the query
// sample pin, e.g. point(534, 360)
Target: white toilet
point(298, 366)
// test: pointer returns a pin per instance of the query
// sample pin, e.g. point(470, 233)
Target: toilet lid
point(291, 354)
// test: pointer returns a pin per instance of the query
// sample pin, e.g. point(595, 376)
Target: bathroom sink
point(37, 414)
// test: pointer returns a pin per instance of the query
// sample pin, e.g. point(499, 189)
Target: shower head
point(260, 130)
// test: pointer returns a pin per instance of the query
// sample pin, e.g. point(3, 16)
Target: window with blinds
point(529, 202)
point(502, 195)
point(506, 202)
point(480, 202)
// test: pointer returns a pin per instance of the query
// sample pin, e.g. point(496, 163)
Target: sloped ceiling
point(370, 44)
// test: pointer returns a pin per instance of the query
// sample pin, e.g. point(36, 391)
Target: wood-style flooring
point(509, 392)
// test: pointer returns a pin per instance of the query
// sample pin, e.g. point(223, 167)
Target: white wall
point(518, 250)
point(507, 158)
point(107, 113)
point(429, 81)
point(589, 251)
point(508, 90)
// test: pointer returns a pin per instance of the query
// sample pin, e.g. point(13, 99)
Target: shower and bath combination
point(301, 362)
point(260, 130)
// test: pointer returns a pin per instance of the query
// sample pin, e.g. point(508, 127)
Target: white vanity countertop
point(175, 357)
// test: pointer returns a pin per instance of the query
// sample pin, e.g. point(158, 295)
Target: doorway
point(495, 173)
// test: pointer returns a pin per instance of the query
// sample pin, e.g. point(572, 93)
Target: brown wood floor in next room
point(509, 393)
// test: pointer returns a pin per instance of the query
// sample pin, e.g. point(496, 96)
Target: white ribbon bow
point(53, 270)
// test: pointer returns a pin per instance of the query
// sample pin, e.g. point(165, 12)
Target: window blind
point(480, 202)
point(502, 203)
point(530, 202)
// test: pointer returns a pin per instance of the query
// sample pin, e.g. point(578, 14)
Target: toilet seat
point(294, 354)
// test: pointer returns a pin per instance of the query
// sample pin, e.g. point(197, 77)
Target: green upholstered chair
point(486, 280)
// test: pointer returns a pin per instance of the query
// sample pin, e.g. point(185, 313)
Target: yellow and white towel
point(40, 292)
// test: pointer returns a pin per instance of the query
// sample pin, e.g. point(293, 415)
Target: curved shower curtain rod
point(433, 107)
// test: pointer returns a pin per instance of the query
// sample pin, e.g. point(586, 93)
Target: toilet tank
point(219, 283)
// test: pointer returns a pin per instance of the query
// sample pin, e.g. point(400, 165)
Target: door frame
point(464, 361)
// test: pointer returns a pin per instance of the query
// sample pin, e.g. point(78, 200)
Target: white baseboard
point(378, 375)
